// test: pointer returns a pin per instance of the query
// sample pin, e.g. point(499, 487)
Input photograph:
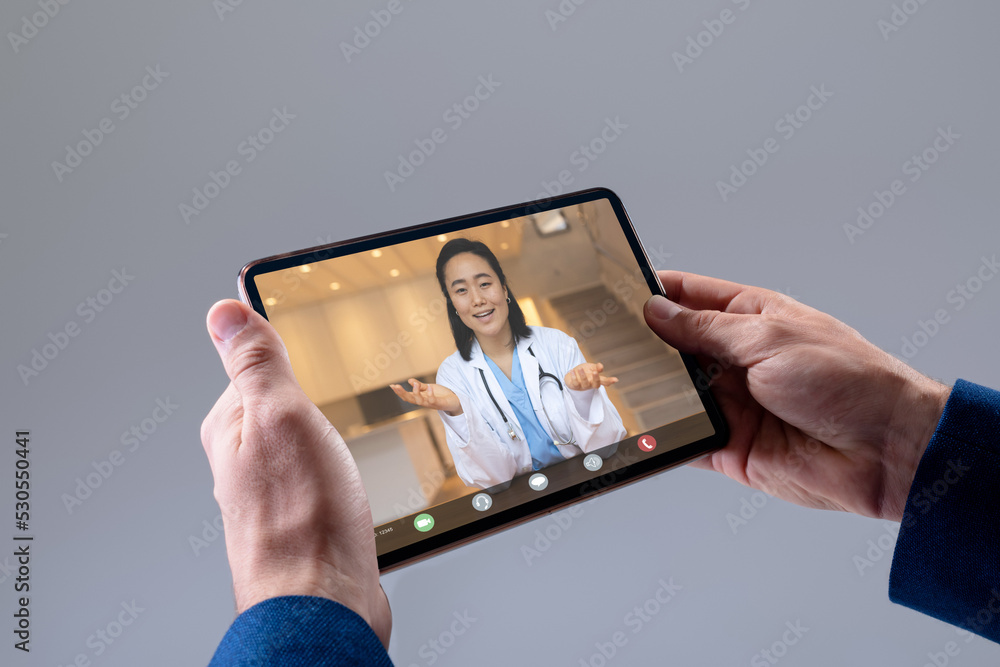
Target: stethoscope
point(542, 376)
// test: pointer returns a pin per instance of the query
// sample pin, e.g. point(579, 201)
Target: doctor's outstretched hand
point(432, 396)
point(296, 516)
point(588, 376)
point(818, 415)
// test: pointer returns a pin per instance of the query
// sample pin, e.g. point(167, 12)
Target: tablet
point(490, 368)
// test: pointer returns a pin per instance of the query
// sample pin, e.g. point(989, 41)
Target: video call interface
point(477, 370)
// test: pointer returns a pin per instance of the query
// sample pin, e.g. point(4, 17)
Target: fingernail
point(226, 320)
point(662, 308)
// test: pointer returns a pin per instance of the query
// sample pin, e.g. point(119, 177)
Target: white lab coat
point(484, 453)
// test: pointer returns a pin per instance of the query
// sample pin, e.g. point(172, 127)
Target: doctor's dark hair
point(463, 334)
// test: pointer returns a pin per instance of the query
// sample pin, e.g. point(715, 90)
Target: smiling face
point(478, 296)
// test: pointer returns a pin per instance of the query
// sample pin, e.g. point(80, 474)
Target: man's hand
point(296, 516)
point(818, 415)
point(587, 376)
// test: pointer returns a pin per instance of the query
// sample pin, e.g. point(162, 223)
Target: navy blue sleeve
point(947, 559)
point(299, 631)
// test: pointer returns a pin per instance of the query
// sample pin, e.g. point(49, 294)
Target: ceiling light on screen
point(376, 253)
point(306, 268)
point(394, 273)
point(442, 237)
point(270, 301)
point(334, 286)
point(550, 222)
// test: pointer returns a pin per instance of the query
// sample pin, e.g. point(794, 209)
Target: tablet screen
point(488, 368)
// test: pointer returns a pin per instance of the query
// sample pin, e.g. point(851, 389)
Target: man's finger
point(703, 293)
point(221, 419)
point(251, 351)
point(710, 332)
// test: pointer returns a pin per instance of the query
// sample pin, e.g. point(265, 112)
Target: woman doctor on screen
point(513, 398)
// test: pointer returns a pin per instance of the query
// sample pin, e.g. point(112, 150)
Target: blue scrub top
point(543, 450)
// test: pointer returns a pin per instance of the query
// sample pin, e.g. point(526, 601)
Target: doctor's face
point(476, 293)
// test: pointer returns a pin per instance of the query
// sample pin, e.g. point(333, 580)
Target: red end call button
point(647, 443)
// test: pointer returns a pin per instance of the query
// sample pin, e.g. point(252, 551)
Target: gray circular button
point(593, 462)
point(538, 481)
point(482, 501)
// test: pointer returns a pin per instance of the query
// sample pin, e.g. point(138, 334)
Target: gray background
point(323, 179)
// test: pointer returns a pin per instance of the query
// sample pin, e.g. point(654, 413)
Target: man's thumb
point(707, 332)
point(253, 354)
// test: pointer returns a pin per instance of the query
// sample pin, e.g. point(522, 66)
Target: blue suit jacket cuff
point(299, 630)
point(947, 558)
